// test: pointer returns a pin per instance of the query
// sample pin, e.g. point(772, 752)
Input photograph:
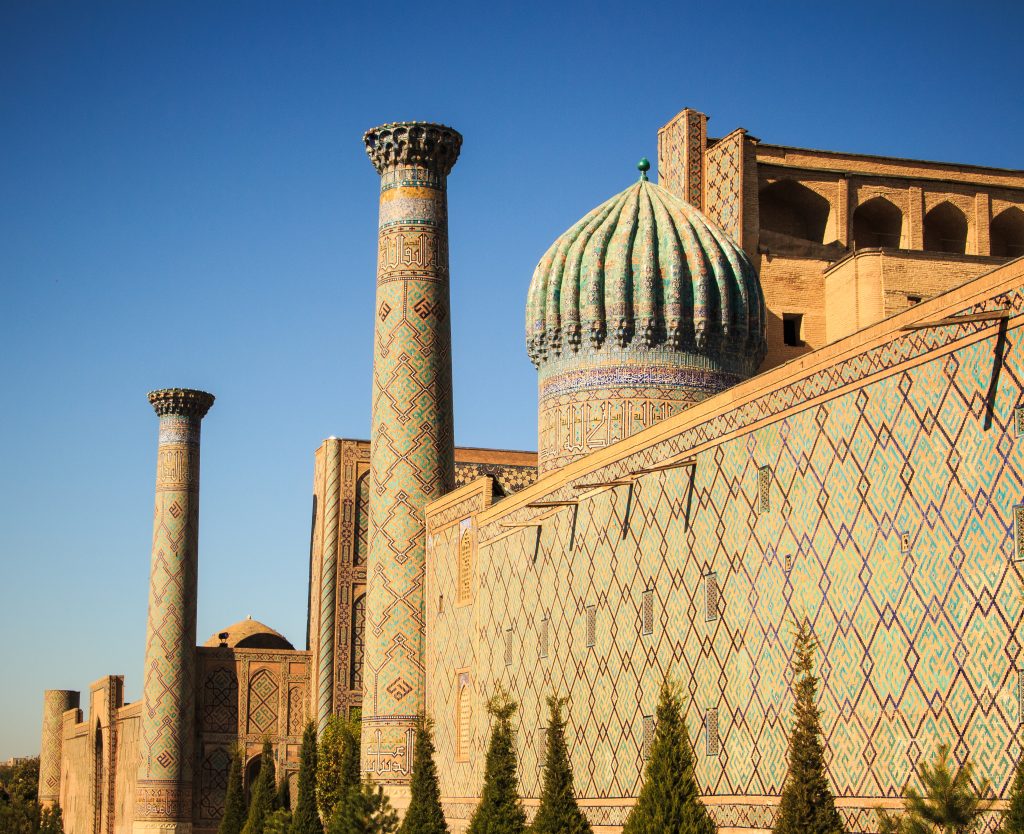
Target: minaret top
point(413, 144)
point(186, 402)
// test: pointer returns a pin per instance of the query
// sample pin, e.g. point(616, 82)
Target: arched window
point(877, 224)
point(1007, 233)
point(355, 673)
point(463, 717)
point(792, 209)
point(945, 229)
point(252, 771)
point(464, 589)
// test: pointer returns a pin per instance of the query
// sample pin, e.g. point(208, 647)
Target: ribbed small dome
point(642, 309)
point(645, 268)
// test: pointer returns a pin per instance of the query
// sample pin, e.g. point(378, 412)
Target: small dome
point(248, 634)
point(644, 307)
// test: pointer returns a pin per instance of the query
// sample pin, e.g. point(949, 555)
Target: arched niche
point(1006, 234)
point(790, 208)
point(877, 224)
point(945, 229)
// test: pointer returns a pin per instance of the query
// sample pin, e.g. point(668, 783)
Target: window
point(1018, 532)
point(543, 651)
point(647, 613)
point(463, 716)
point(591, 625)
point(914, 300)
point(508, 646)
point(712, 743)
point(1018, 420)
point(764, 484)
point(789, 563)
point(790, 208)
point(464, 589)
point(904, 542)
point(542, 744)
point(647, 736)
point(792, 325)
point(711, 597)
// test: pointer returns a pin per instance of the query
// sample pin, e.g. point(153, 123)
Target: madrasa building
point(780, 383)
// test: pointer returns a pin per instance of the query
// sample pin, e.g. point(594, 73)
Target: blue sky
point(185, 201)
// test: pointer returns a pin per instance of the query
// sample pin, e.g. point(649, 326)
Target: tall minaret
point(412, 456)
point(55, 703)
point(163, 794)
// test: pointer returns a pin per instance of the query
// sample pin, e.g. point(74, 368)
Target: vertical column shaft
point(412, 457)
point(328, 595)
point(163, 797)
point(55, 703)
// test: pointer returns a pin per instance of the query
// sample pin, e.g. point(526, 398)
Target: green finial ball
point(643, 166)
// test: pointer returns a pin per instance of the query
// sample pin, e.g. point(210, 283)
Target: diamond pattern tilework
point(917, 646)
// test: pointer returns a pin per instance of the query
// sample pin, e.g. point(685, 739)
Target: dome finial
point(643, 166)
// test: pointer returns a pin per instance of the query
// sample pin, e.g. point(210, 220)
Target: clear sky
point(185, 201)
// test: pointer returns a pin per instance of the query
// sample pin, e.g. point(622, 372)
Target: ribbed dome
point(645, 268)
point(640, 310)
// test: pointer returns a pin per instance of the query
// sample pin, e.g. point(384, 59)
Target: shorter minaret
point(55, 703)
point(163, 794)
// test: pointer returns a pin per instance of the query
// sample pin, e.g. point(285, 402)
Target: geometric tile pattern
point(412, 454)
point(164, 786)
point(724, 184)
point(919, 638)
point(214, 776)
point(55, 703)
point(263, 706)
point(220, 701)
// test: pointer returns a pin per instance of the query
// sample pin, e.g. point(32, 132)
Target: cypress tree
point(559, 813)
point(1013, 816)
point(806, 805)
point(499, 811)
point(283, 797)
point(424, 815)
point(278, 821)
point(306, 819)
point(261, 805)
point(365, 809)
point(233, 820)
point(669, 802)
point(337, 764)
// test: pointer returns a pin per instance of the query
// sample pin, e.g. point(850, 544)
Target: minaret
point(412, 456)
point(55, 703)
point(163, 794)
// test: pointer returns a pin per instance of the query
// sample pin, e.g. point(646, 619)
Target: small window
point(647, 613)
point(440, 603)
point(1018, 420)
point(508, 646)
point(647, 739)
point(904, 542)
point(789, 563)
point(711, 740)
point(764, 484)
point(591, 625)
point(542, 744)
point(1018, 532)
point(711, 597)
point(464, 589)
point(463, 714)
point(914, 300)
point(792, 329)
point(544, 636)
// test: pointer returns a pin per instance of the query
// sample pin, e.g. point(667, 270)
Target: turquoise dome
point(643, 308)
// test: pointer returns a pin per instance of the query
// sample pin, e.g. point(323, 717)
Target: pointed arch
point(877, 224)
point(1006, 234)
point(945, 229)
point(790, 208)
point(358, 647)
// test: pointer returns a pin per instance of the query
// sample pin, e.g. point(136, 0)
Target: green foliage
point(51, 821)
point(499, 811)
point(669, 802)
point(306, 819)
point(947, 804)
point(283, 797)
point(1013, 817)
point(365, 809)
point(233, 820)
point(424, 815)
point(278, 822)
point(806, 805)
point(559, 813)
point(337, 765)
point(261, 805)
point(20, 812)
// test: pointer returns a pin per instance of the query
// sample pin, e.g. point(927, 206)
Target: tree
point(261, 805)
point(364, 810)
point(279, 821)
point(51, 821)
point(337, 764)
point(947, 804)
point(669, 802)
point(559, 813)
point(1013, 816)
point(306, 819)
point(283, 797)
point(424, 815)
point(233, 820)
point(499, 811)
point(806, 805)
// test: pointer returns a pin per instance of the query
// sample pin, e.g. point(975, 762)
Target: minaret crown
point(413, 144)
point(186, 402)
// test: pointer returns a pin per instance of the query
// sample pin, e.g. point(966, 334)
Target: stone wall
point(875, 486)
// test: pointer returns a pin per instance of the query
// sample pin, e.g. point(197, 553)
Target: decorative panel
point(263, 703)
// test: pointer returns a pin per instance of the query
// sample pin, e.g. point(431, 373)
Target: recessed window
point(464, 584)
point(463, 715)
point(711, 597)
point(508, 646)
point(764, 486)
point(712, 743)
point(792, 329)
point(648, 736)
point(914, 300)
point(591, 625)
point(647, 613)
point(544, 623)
